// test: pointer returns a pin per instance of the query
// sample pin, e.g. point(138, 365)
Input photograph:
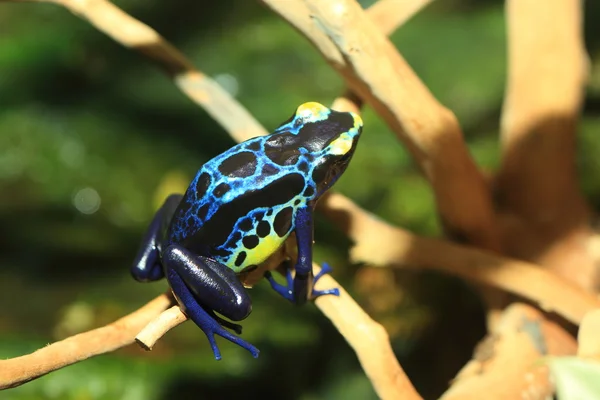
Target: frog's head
point(325, 137)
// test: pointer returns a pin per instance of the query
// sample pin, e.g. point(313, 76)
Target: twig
point(506, 364)
point(202, 90)
point(369, 340)
point(381, 244)
point(19, 370)
point(374, 70)
point(547, 69)
point(159, 326)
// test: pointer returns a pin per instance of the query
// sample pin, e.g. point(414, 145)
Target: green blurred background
point(92, 137)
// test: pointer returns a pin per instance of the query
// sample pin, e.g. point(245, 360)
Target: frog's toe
point(287, 292)
point(325, 269)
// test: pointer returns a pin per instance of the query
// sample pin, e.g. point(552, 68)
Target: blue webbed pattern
point(239, 208)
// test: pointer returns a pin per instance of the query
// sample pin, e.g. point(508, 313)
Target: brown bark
point(544, 217)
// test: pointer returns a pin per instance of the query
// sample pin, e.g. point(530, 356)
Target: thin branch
point(202, 90)
point(388, 15)
point(369, 339)
point(506, 365)
point(381, 244)
point(159, 326)
point(373, 69)
point(19, 370)
point(537, 182)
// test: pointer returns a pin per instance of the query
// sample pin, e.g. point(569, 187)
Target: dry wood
point(388, 15)
point(374, 70)
point(589, 335)
point(369, 339)
point(199, 88)
point(507, 364)
point(544, 216)
point(19, 370)
point(381, 244)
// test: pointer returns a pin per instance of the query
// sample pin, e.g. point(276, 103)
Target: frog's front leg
point(146, 266)
point(204, 286)
point(300, 288)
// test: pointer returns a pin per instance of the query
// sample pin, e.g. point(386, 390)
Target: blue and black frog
point(239, 209)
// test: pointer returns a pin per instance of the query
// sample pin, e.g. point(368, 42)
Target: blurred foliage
point(575, 378)
point(92, 138)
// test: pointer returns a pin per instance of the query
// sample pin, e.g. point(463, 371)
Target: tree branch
point(506, 364)
point(374, 70)
point(587, 337)
point(377, 357)
point(378, 243)
point(369, 339)
point(388, 15)
point(547, 70)
point(19, 370)
point(199, 88)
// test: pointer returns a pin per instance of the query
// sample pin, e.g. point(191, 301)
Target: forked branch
point(373, 69)
point(381, 244)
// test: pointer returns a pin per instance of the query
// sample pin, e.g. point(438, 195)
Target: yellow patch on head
point(341, 145)
point(312, 112)
point(358, 122)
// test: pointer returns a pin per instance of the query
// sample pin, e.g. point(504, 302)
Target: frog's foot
point(325, 269)
point(210, 325)
point(287, 292)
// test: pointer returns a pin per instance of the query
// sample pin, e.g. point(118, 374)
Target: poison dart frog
point(238, 210)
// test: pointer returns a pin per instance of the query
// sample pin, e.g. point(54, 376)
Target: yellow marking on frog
point(266, 246)
point(312, 111)
point(358, 122)
point(341, 145)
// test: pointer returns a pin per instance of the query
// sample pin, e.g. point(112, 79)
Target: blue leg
point(285, 291)
point(146, 266)
point(300, 289)
point(202, 287)
point(325, 269)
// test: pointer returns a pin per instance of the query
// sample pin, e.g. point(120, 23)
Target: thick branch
point(20, 370)
point(374, 70)
point(506, 365)
point(388, 15)
point(381, 244)
point(546, 75)
point(545, 218)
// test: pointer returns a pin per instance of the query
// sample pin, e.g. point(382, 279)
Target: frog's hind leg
point(202, 287)
point(146, 266)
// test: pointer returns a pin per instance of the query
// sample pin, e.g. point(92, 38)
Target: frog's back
point(239, 208)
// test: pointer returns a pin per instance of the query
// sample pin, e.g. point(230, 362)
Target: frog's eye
point(312, 112)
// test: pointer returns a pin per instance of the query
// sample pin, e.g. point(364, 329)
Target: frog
point(238, 210)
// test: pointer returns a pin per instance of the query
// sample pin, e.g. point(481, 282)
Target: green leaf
point(576, 378)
